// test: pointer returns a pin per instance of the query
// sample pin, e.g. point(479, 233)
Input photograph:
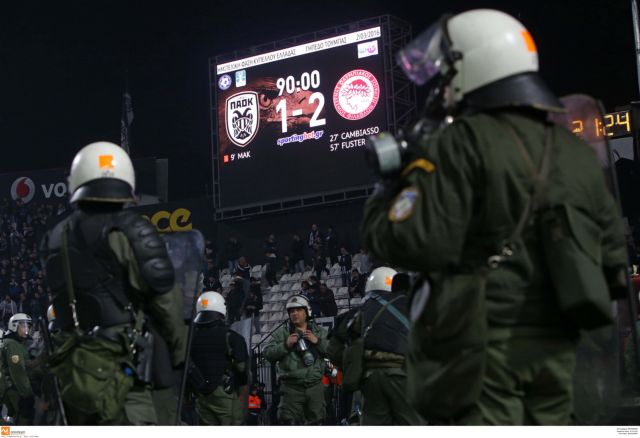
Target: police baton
point(185, 371)
point(48, 345)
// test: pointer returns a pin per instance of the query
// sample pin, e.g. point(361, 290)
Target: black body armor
point(100, 282)
point(209, 352)
point(387, 334)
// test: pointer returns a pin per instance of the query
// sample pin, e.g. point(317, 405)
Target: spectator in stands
point(22, 305)
point(327, 301)
point(14, 288)
point(211, 283)
point(8, 308)
point(319, 265)
point(311, 292)
point(345, 265)
point(243, 270)
point(331, 245)
point(305, 287)
point(232, 252)
point(37, 304)
point(314, 235)
point(253, 304)
point(297, 253)
point(209, 249)
point(235, 300)
point(317, 249)
point(356, 285)
point(365, 262)
point(270, 259)
point(286, 266)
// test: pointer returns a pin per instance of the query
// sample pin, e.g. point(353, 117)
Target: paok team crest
point(242, 117)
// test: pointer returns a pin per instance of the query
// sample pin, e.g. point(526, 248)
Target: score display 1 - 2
point(291, 85)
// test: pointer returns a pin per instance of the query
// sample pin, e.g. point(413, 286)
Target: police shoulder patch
point(403, 204)
point(15, 359)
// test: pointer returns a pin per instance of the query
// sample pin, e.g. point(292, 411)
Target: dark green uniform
point(301, 390)
point(459, 203)
point(18, 393)
point(220, 354)
point(384, 374)
point(141, 406)
point(117, 260)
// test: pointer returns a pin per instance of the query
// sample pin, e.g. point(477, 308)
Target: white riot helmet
point(210, 307)
point(51, 314)
point(298, 301)
point(102, 172)
point(16, 320)
point(380, 279)
point(473, 50)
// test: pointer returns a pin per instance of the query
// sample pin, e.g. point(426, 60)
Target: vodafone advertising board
point(39, 186)
point(50, 185)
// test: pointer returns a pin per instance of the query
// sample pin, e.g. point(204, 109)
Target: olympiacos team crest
point(242, 117)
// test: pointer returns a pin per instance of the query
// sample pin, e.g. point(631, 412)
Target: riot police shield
point(186, 251)
point(607, 376)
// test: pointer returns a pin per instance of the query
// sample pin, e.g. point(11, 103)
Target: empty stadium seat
point(342, 292)
point(285, 278)
point(296, 276)
point(275, 288)
point(296, 287)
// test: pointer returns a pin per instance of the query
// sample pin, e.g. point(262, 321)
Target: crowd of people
point(317, 253)
point(23, 288)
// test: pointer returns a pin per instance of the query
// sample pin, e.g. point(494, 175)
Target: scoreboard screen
point(294, 121)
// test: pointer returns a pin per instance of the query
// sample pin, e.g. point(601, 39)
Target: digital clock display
point(613, 125)
point(295, 121)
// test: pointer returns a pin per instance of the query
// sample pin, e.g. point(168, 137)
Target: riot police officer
point(108, 268)
point(18, 394)
point(465, 208)
point(219, 362)
point(383, 321)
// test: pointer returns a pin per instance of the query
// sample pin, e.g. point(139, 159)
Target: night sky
point(62, 66)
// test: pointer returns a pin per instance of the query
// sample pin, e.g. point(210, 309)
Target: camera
point(303, 347)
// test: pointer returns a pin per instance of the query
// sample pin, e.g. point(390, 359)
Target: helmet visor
point(422, 58)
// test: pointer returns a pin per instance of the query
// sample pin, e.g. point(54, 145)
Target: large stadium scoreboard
point(294, 121)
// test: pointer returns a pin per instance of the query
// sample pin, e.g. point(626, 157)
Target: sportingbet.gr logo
point(241, 114)
point(25, 189)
